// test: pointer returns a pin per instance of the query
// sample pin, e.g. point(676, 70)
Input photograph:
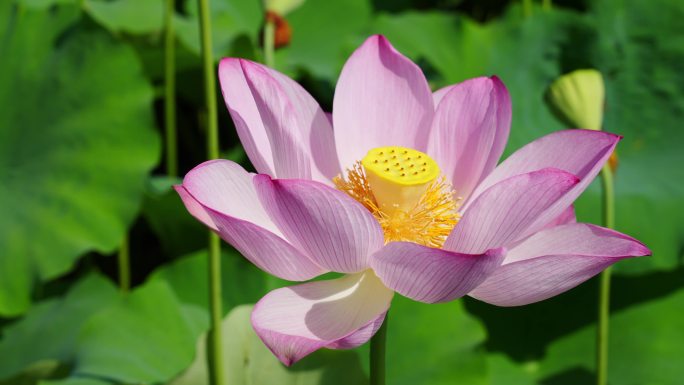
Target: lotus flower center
point(403, 189)
point(398, 176)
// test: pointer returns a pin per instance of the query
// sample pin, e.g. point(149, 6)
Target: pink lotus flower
point(366, 199)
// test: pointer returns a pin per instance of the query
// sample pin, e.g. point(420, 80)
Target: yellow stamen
point(424, 214)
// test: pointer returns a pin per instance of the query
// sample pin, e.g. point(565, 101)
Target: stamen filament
point(427, 222)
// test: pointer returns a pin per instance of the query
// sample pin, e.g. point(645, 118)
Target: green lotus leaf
point(420, 335)
point(76, 381)
point(229, 21)
point(242, 282)
point(645, 343)
point(129, 16)
point(76, 145)
point(179, 233)
point(324, 33)
point(53, 326)
point(148, 336)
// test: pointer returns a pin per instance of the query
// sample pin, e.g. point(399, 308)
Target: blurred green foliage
point(77, 141)
point(80, 127)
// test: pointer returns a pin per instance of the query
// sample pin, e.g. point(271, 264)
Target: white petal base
point(297, 320)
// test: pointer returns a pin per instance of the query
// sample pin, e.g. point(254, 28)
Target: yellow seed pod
point(398, 176)
point(578, 98)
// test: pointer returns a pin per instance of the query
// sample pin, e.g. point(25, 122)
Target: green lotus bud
point(577, 98)
point(282, 7)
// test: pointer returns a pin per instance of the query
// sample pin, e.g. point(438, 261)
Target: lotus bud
point(577, 98)
point(282, 7)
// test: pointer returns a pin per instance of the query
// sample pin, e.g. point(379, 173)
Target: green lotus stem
point(604, 289)
point(170, 90)
point(377, 355)
point(547, 5)
point(123, 260)
point(269, 43)
point(214, 346)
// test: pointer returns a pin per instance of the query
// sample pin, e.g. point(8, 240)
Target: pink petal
point(295, 321)
point(195, 208)
point(224, 186)
point(438, 95)
point(554, 261)
point(290, 158)
point(381, 99)
point(432, 275)
point(580, 152)
point(566, 217)
point(221, 194)
point(470, 130)
point(506, 211)
point(359, 337)
point(336, 232)
point(243, 110)
point(283, 129)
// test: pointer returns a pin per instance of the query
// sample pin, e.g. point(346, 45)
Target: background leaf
point(130, 16)
point(146, 337)
point(434, 344)
point(242, 282)
point(324, 34)
point(74, 154)
point(643, 350)
point(53, 326)
point(178, 233)
point(229, 21)
point(75, 381)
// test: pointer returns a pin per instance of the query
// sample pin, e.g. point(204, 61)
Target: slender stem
point(527, 8)
point(604, 289)
point(214, 346)
point(209, 80)
point(123, 260)
point(269, 43)
point(377, 355)
point(547, 5)
point(608, 196)
point(170, 90)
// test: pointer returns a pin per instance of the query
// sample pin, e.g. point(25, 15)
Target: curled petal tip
point(641, 249)
point(262, 178)
point(382, 43)
point(249, 67)
point(227, 60)
point(379, 37)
